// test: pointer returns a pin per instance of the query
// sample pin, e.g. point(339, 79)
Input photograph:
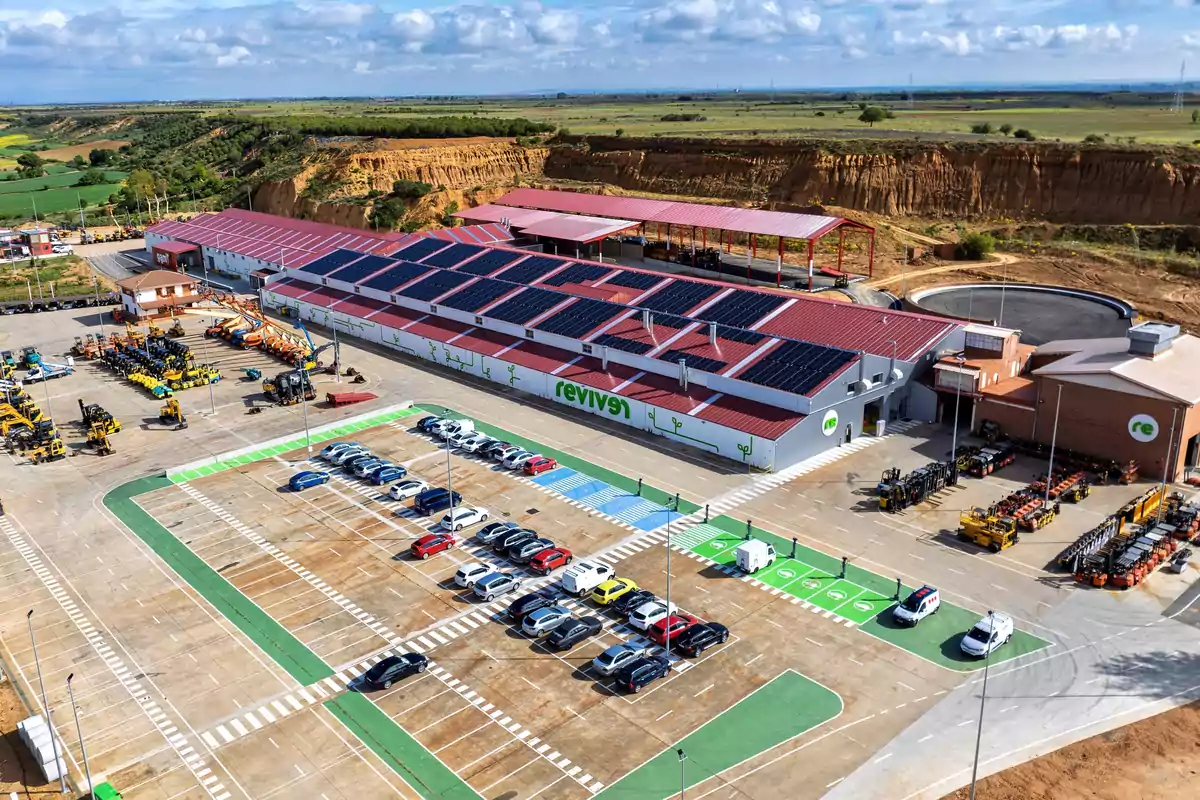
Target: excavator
point(97, 438)
point(172, 413)
point(286, 388)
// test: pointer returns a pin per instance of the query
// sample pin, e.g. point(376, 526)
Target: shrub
point(683, 118)
point(1006, 129)
point(1024, 133)
point(620, 131)
point(819, 114)
point(93, 177)
point(981, 127)
point(1093, 138)
point(411, 190)
point(974, 246)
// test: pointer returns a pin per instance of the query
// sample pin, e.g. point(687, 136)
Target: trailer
point(337, 399)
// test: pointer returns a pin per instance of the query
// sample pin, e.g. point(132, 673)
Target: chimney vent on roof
point(712, 334)
point(1151, 338)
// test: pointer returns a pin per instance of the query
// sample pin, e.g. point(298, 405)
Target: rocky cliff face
point(1054, 182)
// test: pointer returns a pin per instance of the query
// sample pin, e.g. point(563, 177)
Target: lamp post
point(682, 772)
point(61, 767)
point(87, 770)
point(304, 406)
point(957, 397)
point(983, 699)
point(1053, 442)
point(669, 612)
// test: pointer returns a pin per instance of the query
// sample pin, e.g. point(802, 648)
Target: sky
point(59, 51)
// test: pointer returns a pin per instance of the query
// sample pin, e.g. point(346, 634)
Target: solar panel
point(577, 273)
point(617, 343)
point(523, 307)
point(695, 362)
point(478, 294)
point(739, 335)
point(355, 272)
point(741, 309)
point(797, 367)
point(580, 317)
point(420, 249)
point(435, 285)
point(671, 321)
point(327, 264)
point(491, 261)
point(634, 280)
point(453, 255)
point(530, 270)
point(397, 276)
point(679, 296)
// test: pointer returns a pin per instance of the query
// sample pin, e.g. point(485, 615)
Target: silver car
point(494, 530)
point(542, 621)
point(616, 657)
point(496, 585)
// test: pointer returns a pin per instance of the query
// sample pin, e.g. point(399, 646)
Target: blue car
point(304, 480)
point(388, 475)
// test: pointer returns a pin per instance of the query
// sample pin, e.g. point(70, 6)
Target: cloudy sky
point(86, 50)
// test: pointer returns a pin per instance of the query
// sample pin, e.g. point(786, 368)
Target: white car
point(543, 620)
point(332, 450)
point(460, 518)
point(645, 615)
point(367, 467)
point(455, 427)
point(406, 489)
point(917, 606)
point(519, 459)
point(616, 657)
point(987, 635)
point(469, 574)
point(350, 452)
point(472, 443)
point(504, 452)
point(460, 438)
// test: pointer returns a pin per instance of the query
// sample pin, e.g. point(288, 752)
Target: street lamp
point(669, 612)
point(61, 767)
point(1053, 442)
point(87, 770)
point(682, 772)
point(983, 698)
point(960, 359)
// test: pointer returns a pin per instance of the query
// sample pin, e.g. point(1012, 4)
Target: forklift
point(172, 413)
point(94, 415)
point(980, 526)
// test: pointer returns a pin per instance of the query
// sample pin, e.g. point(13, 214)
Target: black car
point(698, 638)
point(572, 631)
point(492, 447)
point(393, 668)
point(637, 674)
point(524, 552)
point(434, 500)
point(428, 422)
point(626, 603)
point(502, 545)
point(523, 606)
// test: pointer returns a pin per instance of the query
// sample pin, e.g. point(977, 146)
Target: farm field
point(63, 276)
point(69, 152)
point(53, 201)
point(59, 178)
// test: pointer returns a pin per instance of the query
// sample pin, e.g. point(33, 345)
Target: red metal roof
point(855, 327)
point(358, 306)
point(658, 390)
point(578, 229)
point(483, 341)
point(541, 357)
point(325, 296)
point(742, 220)
point(769, 422)
point(589, 372)
point(175, 247)
point(289, 287)
point(437, 328)
point(470, 234)
point(517, 217)
point(396, 316)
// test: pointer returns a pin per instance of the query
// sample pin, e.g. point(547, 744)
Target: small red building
point(175, 255)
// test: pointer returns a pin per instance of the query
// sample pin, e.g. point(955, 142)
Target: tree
point(411, 190)
point(872, 114)
point(974, 246)
point(982, 127)
point(1024, 133)
point(620, 131)
point(93, 177)
point(1093, 138)
point(1196, 117)
point(100, 158)
point(862, 106)
point(1006, 129)
point(31, 165)
point(79, 162)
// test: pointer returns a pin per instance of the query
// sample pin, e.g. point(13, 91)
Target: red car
point(550, 559)
point(676, 624)
point(536, 466)
point(432, 543)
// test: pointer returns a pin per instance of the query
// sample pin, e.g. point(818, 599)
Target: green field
point(53, 201)
point(58, 179)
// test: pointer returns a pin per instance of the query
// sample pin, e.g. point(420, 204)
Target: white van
point(754, 555)
point(917, 606)
point(584, 577)
point(455, 427)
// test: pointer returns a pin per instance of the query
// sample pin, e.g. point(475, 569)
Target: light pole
point(1003, 281)
point(303, 405)
point(682, 772)
point(1167, 464)
point(46, 383)
point(667, 624)
point(983, 699)
point(1053, 442)
point(212, 400)
point(957, 396)
point(87, 770)
point(449, 485)
point(60, 766)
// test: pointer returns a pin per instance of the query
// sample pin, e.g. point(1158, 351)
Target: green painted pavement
point(651, 493)
point(402, 753)
point(298, 441)
point(788, 706)
point(863, 596)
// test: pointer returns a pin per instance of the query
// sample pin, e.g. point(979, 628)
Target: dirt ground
point(18, 773)
point(68, 153)
point(1155, 759)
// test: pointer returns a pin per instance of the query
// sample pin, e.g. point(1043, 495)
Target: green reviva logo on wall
point(1143, 427)
point(829, 425)
point(593, 399)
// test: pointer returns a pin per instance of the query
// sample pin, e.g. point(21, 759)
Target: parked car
point(612, 589)
point(492, 448)
point(536, 466)
point(307, 479)
point(431, 544)
point(475, 443)
point(434, 500)
point(626, 604)
point(616, 657)
point(407, 489)
point(636, 675)
point(571, 632)
point(461, 518)
point(427, 423)
point(458, 439)
point(585, 576)
point(454, 428)
point(394, 668)
point(987, 635)
point(342, 456)
point(502, 453)
point(549, 560)
point(917, 606)
point(501, 544)
point(527, 604)
point(518, 459)
point(494, 530)
point(331, 450)
point(698, 638)
point(525, 551)
point(489, 587)
point(351, 463)
point(469, 574)
point(540, 622)
point(387, 475)
point(645, 615)
point(668, 628)
point(363, 469)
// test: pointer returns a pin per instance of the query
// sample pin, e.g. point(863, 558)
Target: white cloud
point(233, 57)
point(362, 67)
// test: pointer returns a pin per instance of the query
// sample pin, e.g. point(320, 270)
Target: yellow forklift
point(94, 415)
point(979, 526)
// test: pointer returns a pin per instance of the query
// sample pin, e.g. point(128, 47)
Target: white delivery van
point(584, 577)
point(455, 427)
point(754, 555)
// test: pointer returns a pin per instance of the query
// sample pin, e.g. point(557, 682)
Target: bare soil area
point(1154, 759)
point(419, 144)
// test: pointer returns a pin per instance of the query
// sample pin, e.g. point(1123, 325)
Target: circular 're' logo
point(1143, 427)
point(830, 424)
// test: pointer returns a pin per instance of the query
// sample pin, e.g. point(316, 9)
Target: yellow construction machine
point(94, 415)
point(983, 528)
point(48, 450)
point(172, 414)
point(98, 439)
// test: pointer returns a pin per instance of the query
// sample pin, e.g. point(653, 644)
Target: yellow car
point(610, 590)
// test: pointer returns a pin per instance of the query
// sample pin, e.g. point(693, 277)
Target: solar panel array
point(327, 264)
point(577, 273)
point(530, 270)
point(695, 362)
point(797, 367)
point(490, 261)
point(478, 295)
point(420, 249)
point(617, 343)
point(738, 335)
point(634, 280)
point(356, 271)
point(435, 285)
point(679, 296)
point(742, 308)
point(523, 307)
point(671, 321)
point(395, 277)
point(454, 254)
point(580, 317)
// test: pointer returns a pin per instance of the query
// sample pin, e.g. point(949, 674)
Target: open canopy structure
point(577, 228)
